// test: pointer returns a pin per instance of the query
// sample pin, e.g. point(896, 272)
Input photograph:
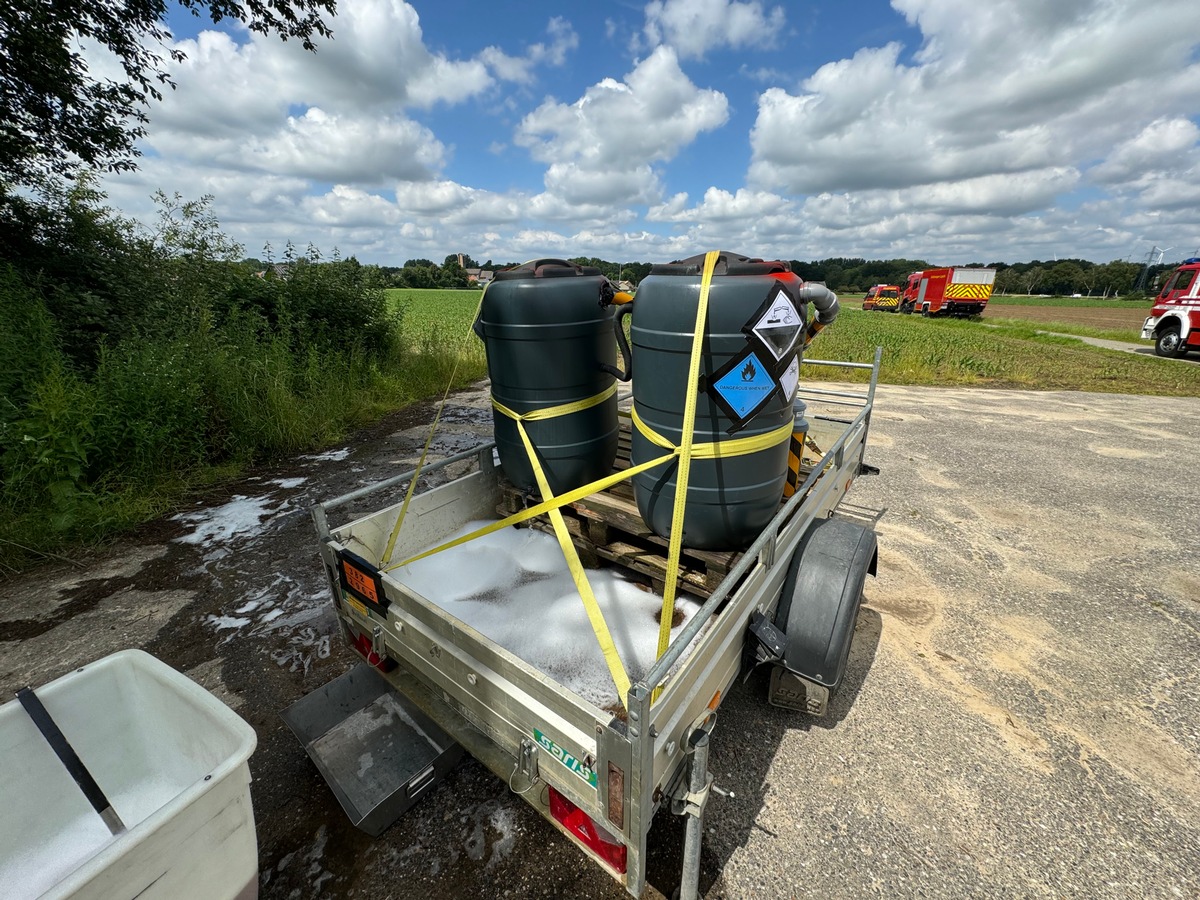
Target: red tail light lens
point(580, 824)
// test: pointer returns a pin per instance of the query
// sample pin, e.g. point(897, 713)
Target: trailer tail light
point(580, 824)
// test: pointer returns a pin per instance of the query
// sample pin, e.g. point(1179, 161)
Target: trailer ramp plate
point(376, 750)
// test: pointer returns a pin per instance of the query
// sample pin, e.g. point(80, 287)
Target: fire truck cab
point(1174, 322)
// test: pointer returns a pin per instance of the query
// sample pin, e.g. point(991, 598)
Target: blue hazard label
point(745, 387)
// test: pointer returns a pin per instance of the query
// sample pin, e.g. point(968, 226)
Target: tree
point(57, 117)
point(1064, 279)
point(420, 276)
point(452, 274)
point(1008, 281)
point(95, 272)
point(1117, 277)
point(1032, 277)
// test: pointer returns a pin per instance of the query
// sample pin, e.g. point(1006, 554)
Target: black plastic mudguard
point(821, 595)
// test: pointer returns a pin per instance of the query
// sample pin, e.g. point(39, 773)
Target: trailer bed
point(600, 774)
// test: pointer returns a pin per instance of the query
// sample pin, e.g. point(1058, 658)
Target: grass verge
point(1129, 335)
point(950, 352)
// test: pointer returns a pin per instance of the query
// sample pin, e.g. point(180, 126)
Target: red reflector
point(580, 824)
point(362, 644)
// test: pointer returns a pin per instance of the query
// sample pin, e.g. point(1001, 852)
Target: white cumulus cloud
point(693, 27)
point(996, 88)
point(1004, 108)
point(618, 128)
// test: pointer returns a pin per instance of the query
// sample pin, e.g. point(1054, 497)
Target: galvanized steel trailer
point(607, 775)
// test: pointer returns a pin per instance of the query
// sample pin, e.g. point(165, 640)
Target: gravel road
point(1021, 715)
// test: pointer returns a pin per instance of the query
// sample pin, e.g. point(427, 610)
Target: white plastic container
point(170, 757)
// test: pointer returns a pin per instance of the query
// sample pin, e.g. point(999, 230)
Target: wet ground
point(1021, 715)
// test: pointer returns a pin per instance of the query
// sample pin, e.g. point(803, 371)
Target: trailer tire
point(819, 603)
point(1168, 343)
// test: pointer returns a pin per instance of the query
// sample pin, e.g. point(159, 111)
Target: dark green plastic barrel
point(548, 329)
point(729, 500)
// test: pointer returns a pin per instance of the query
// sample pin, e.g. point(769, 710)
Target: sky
point(953, 131)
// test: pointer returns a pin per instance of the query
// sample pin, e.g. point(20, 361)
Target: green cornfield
point(916, 351)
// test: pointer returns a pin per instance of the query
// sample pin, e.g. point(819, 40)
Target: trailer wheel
point(817, 612)
point(1169, 343)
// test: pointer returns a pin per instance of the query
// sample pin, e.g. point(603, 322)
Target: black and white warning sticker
point(789, 380)
point(777, 324)
point(742, 387)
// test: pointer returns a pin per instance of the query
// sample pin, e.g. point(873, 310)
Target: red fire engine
point(1174, 323)
point(953, 291)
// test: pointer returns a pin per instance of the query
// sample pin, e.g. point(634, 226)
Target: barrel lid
point(728, 263)
point(545, 268)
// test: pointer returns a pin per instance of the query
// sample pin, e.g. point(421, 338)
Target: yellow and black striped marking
point(968, 291)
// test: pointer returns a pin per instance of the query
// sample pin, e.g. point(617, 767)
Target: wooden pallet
point(607, 526)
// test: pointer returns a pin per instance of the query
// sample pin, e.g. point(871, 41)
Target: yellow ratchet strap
point(412, 485)
point(719, 449)
point(553, 412)
point(579, 493)
point(613, 659)
point(685, 462)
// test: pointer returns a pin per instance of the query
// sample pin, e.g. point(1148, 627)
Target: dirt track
point(1119, 315)
point(1021, 715)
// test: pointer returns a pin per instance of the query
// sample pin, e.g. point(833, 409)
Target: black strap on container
point(70, 759)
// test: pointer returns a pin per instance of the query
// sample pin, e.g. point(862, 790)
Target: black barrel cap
point(728, 263)
point(545, 268)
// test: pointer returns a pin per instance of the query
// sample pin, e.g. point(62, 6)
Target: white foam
point(288, 483)
point(329, 455)
point(504, 821)
point(240, 517)
point(284, 615)
point(514, 587)
point(366, 762)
